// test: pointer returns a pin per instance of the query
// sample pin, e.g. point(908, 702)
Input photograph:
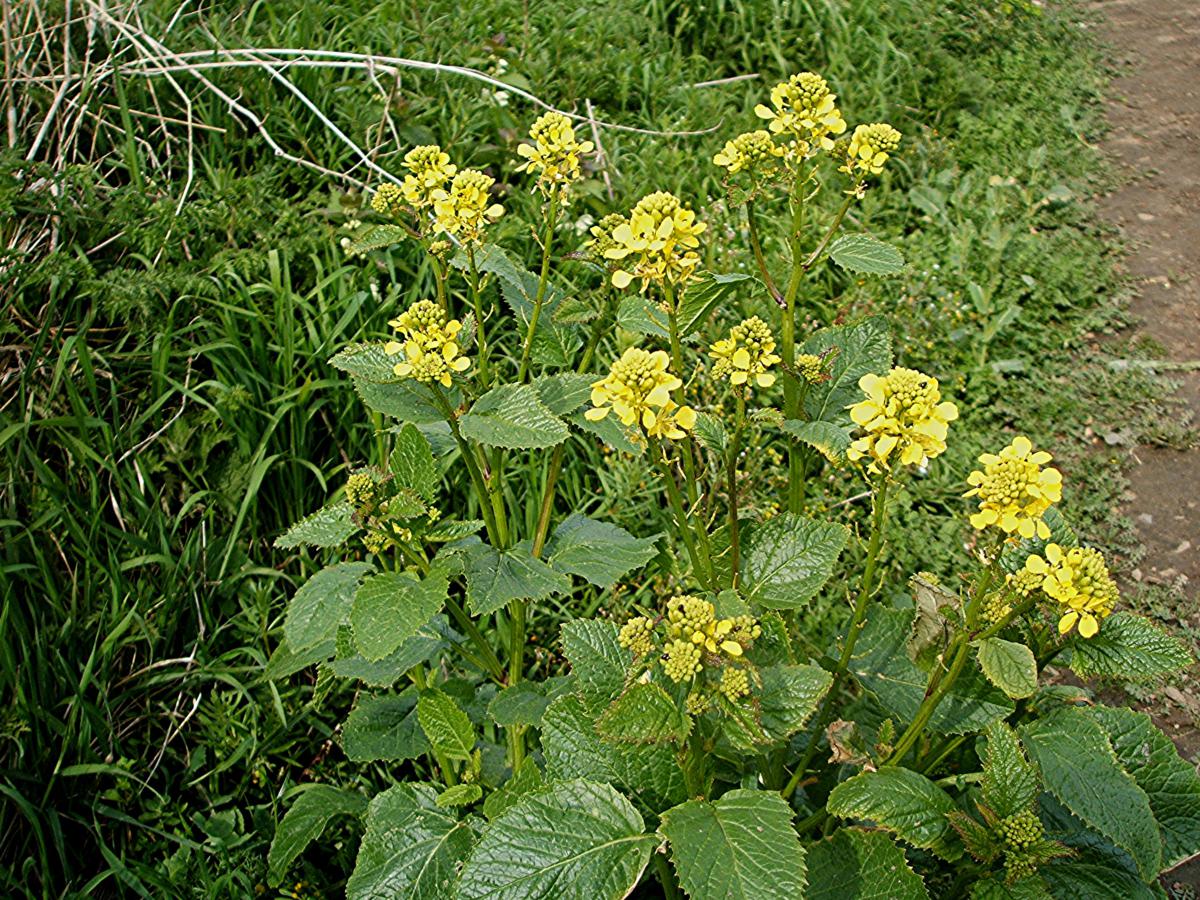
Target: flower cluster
point(388, 200)
point(747, 353)
point(903, 416)
point(430, 344)
point(754, 152)
point(803, 108)
point(1014, 490)
point(869, 148)
point(658, 242)
point(637, 635)
point(554, 154)
point(811, 368)
point(429, 168)
point(602, 236)
point(638, 389)
point(1078, 579)
point(466, 208)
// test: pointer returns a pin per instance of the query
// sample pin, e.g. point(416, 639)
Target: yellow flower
point(429, 169)
point(388, 200)
point(681, 660)
point(747, 353)
point(466, 208)
point(693, 620)
point(869, 148)
point(1014, 490)
point(753, 151)
point(1078, 579)
point(806, 110)
point(903, 415)
point(430, 344)
point(602, 236)
point(554, 154)
point(638, 389)
point(811, 368)
point(637, 635)
point(659, 239)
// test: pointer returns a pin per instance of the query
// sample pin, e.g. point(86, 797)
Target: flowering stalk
point(477, 303)
point(675, 498)
point(735, 446)
point(540, 297)
point(759, 259)
point(857, 621)
point(495, 534)
point(787, 342)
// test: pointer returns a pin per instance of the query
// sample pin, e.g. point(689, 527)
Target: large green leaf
point(574, 841)
point(494, 578)
point(644, 714)
point(881, 664)
point(329, 526)
point(374, 236)
point(406, 400)
point(903, 802)
point(597, 661)
point(412, 463)
point(787, 559)
point(447, 727)
point(322, 604)
point(427, 643)
point(855, 864)
point(566, 393)
point(1079, 768)
point(863, 254)
point(1009, 666)
point(520, 704)
point(366, 361)
point(525, 780)
point(829, 439)
point(285, 661)
point(703, 294)
point(860, 348)
point(391, 607)
point(1171, 784)
point(599, 552)
point(384, 728)
point(1031, 887)
point(513, 416)
point(1130, 648)
point(305, 821)
point(412, 848)
point(790, 695)
point(1093, 880)
point(1010, 782)
point(740, 847)
point(641, 315)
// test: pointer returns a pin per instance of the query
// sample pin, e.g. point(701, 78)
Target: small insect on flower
point(747, 353)
point(638, 389)
point(658, 241)
point(902, 416)
point(430, 344)
point(1014, 490)
point(1079, 580)
point(429, 168)
point(753, 152)
point(466, 208)
point(554, 154)
point(869, 148)
point(803, 108)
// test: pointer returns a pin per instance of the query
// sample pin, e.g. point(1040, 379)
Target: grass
point(166, 408)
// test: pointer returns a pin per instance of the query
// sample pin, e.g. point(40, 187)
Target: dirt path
point(1154, 114)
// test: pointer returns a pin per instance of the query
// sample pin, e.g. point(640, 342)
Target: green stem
point(439, 278)
point(490, 661)
point(731, 473)
point(759, 259)
point(516, 669)
point(417, 675)
point(857, 621)
point(787, 344)
point(677, 507)
point(666, 878)
point(540, 297)
point(833, 227)
point(547, 506)
point(468, 455)
point(480, 331)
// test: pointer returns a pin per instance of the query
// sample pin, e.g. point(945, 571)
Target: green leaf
point(427, 643)
point(384, 728)
point(1130, 648)
point(710, 432)
point(597, 661)
point(860, 348)
point(495, 578)
point(1009, 666)
point(995, 888)
point(322, 604)
point(881, 664)
point(1013, 556)
point(445, 725)
point(411, 849)
point(459, 795)
point(520, 704)
point(741, 847)
point(573, 841)
point(610, 431)
point(1086, 880)
point(790, 695)
point(644, 714)
point(285, 661)
point(514, 417)
point(412, 463)
point(305, 821)
point(375, 237)
point(903, 802)
point(391, 607)
point(452, 530)
point(1080, 769)
point(788, 558)
point(329, 526)
point(1171, 784)
point(525, 780)
point(599, 552)
point(368, 362)
point(703, 294)
point(641, 315)
point(405, 400)
point(1010, 782)
point(855, 864)
point(864, 254)
point(566, 393)
point(830, 440)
